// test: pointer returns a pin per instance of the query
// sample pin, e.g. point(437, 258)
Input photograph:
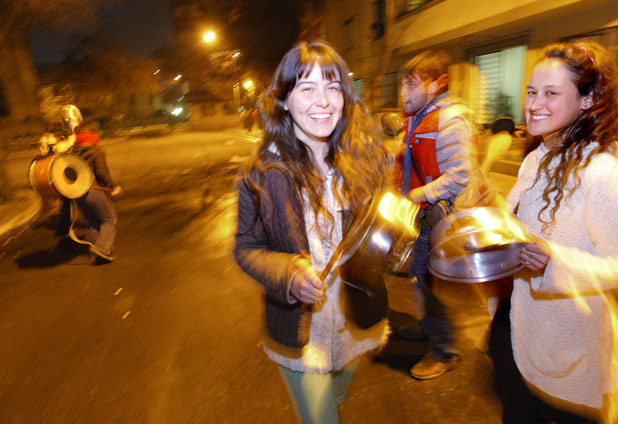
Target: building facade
point(494, 44)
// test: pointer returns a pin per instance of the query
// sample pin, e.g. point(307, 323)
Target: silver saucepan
point(476, 245)
point(379, 240)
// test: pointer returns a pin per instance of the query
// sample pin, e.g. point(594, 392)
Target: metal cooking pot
point(380, 239)
point(476, 245)
point(71, 116)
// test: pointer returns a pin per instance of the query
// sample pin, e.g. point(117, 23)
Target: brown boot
point(429, 368)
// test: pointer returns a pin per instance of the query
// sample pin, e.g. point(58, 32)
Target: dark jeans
point(99, 211)
point(436, 323)
point(519, 405)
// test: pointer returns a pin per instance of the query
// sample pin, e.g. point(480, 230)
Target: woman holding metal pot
point(562, 306)
point(319, 164)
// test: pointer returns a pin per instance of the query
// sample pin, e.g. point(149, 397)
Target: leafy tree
point(103, 79)
point(54, 15)
point(108, 81)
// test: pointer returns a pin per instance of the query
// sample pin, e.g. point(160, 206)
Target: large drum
point(61, 175)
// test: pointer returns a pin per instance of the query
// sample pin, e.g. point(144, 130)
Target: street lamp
point(248, 85)
point(209, 37)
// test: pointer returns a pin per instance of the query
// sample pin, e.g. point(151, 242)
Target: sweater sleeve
point(586, 272)
point(452, 154)
point(270, 268)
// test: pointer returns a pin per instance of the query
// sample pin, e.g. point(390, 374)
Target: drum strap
point(73, 219)
point(76, 239)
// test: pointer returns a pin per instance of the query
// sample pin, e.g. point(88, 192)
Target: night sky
point(264, 31)
point(145, 24)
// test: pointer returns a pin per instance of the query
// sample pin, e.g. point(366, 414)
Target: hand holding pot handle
point(306, 286)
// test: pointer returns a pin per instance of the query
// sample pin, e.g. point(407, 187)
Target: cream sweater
point(561, 325)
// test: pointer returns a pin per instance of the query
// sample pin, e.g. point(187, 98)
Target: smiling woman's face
point(553, 101)
point(315, 104)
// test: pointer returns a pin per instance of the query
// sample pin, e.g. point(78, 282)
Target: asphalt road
point(170, 332)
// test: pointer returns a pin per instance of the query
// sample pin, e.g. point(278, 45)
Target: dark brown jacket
point(264, 250)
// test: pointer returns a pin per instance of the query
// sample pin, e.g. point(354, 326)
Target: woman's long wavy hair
point(594, 73)
point(355, 151)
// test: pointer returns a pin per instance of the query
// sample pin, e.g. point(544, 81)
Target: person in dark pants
point(96, 205)
point(434, 169)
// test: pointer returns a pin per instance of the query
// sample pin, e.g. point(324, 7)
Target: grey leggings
point(317, 396)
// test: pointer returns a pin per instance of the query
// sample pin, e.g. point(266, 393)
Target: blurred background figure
point(249, 117)
point(96, 204)
point(319, 163)
point(504, 124)
point(499, 142)
point(562, 365)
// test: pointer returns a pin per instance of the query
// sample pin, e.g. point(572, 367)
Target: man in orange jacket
point(434, 165)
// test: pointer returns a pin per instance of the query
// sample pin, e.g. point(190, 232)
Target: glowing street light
point(247, 84)
point(177, 77)
point(209, 37)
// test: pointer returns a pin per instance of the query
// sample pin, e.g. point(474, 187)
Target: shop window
point(349, 34)
point(379, 19)
point(499, 85)
point(359, 87)
point(387, 95)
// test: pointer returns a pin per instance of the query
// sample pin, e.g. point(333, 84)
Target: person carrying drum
point(96, 205)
